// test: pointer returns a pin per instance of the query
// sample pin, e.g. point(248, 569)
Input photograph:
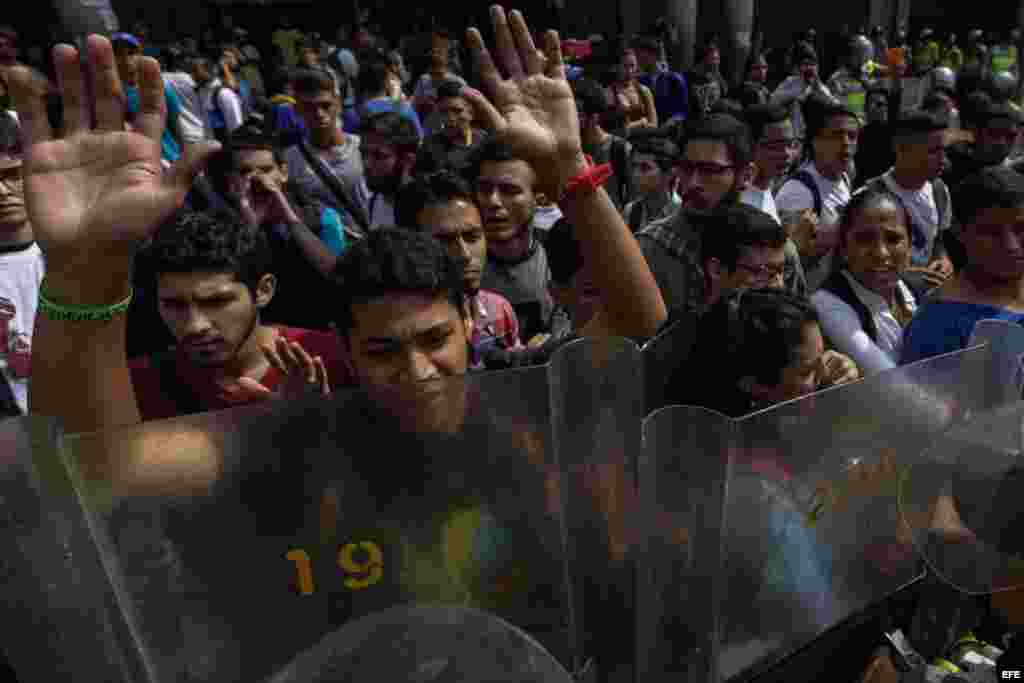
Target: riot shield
point(683, 484)
point(663, 356)
point(236, 540)
point(812, 533)
point(59, 617)
point(596, 412)
point(426, 643)
point(962, 502)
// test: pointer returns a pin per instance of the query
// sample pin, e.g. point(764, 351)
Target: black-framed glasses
point(703, 168)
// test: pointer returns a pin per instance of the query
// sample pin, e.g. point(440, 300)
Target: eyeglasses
point(763, 272)
point(703, 168)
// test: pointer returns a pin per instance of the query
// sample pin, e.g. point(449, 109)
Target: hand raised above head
point(98, 191)
point(538, 118)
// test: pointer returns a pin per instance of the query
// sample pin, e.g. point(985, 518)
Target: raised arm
point(538, 120)
point(92, 197)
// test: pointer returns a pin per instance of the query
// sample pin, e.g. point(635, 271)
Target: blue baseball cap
point(125, 38)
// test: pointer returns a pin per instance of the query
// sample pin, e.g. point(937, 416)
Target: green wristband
point(56, 311)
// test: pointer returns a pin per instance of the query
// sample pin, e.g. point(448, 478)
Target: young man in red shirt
point(212, 279)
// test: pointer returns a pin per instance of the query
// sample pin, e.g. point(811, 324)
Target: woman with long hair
point(630, 97)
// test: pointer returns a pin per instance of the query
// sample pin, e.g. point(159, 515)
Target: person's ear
point(265, 290)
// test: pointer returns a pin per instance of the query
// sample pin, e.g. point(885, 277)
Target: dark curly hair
point(394, 128)
point(759, 342)
point(430, 189)
point(393, 260)
point(193, 241)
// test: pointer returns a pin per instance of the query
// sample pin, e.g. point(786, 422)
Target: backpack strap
point(941, 194)
point(837, 285)
point(807, 180)
point(184, 398)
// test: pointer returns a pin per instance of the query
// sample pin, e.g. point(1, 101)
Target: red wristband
point(589, 179)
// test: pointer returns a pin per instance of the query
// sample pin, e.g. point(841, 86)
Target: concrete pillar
point(683, 13)
point(739, 21)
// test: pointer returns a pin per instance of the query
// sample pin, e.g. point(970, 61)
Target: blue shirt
point(169, 148)
point(941, 327)
point(351, 121)
point(671, 94)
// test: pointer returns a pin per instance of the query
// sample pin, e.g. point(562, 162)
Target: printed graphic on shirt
point(15, 345)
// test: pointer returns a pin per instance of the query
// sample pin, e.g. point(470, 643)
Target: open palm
point(99, 189)
point(537, 112)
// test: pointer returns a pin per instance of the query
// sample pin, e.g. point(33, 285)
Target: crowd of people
point(183, 230)
point(625, 198)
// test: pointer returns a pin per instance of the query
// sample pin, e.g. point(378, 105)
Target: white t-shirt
point(20, 275)
point(762, 200)
point(835, 194)
point(924, 213)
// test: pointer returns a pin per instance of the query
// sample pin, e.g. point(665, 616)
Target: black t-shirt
point(437, 152)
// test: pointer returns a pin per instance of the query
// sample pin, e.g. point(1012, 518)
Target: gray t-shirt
point(525, 285)
point(344, 161)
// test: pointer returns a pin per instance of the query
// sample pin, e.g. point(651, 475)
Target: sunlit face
point(758, 267)
point(403, 347)
point(458, 226)
point(775, 152)
point(994, 242)
point(836, 143)
point(505, 194)
point(706, 174)
point(801, 376)
point(318, 111)
point(13, 215)
point(876, 246)
point(211, 314)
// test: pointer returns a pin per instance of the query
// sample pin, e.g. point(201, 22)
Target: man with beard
point(389, 145)
point(716, 166)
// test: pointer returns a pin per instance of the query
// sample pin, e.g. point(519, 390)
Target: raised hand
point(98, 192)
point(303, 375)
point(538, 118)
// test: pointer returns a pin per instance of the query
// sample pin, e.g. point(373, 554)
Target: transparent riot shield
point(812, 532)
point(596, 412)
point(662, 356)
point(683, 477)
point(237, 540)
point(59, 617)
point(426, 643)
point(963, 503)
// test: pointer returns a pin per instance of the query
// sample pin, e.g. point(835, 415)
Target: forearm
point(315, 251)
point(632, 299)
point(79, 368)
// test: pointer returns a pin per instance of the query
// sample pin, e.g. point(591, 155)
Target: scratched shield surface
point(813, 532)
point(237, 540)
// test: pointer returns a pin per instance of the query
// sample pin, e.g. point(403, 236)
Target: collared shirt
point(842, 326)
point(642, 212)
